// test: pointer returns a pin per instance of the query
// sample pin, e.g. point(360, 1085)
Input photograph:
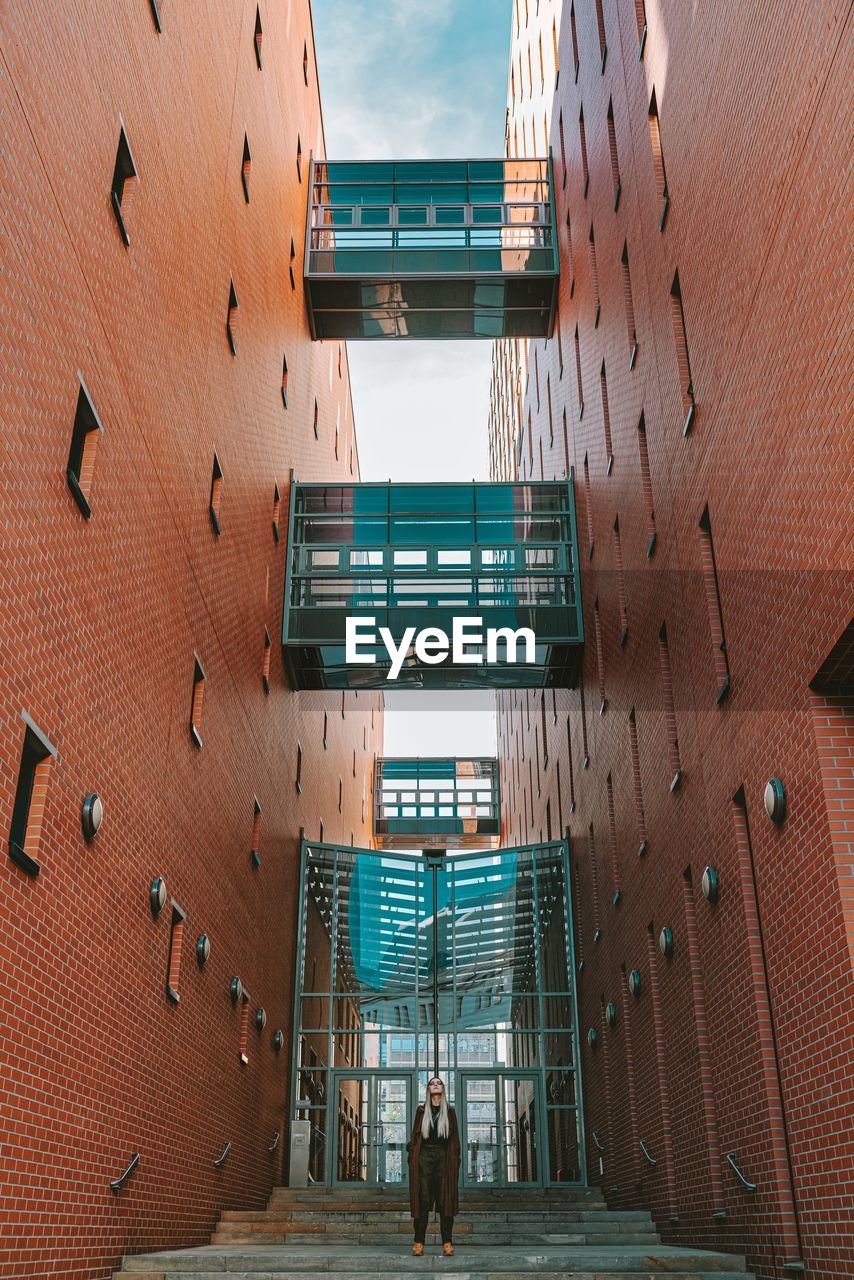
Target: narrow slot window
point(246, 168)
point(298, 778)
point(255, 848)
point(578, 374)
point(277, 508)
point(258, 36)
point(658, 160)
point(600, 27)
point(570, 257)
point(555, 49)
point(621, 584)
point(582, 138)
point(123, 184)
point(713, 604)
point(231, 318)
point(669, 709)
point(285, 381)
point(315, 423)
point(573, 29)
point(176, 938)
point(640, 15)
point(340, 795)
point(570, 764)
point(291, 264)
point(612, 841)
point(197, 703)
point(299, 159)
point(594, 277)
point(562, 147)
point(549, 406)
point(326, 731)
point(28, 810)
point(565, 448)
point(615, 160)
point(594, 882)
point(243, 1051)
point(588, 506)
point(265, 665)
point(600, 656)
point(155, 13)
point(85, 436)
point(680, 341)
point(215, 504)
point(305, 62)
point(606, 420)
point(559, 344)
point(337, 431)
point(646, 483)
point(544, 729)
point(630, 306)
point(585, 751)
point(640, 816)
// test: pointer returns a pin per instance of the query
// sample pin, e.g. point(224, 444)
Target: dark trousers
point(420, 1224)
point(431, 1171)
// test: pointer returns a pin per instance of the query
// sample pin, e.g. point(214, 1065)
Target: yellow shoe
point(418, 1250)
point(448, 1250)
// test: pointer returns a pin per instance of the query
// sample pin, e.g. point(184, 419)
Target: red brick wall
point(101, 618)
point(742, 1042)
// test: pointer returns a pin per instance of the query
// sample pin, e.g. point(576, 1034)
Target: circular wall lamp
point(775, 800)
point(665, 942)
point(157, 896)
point(635, 983)
point(92, 815)
point(592, 1037)
point(711, 885)
point(278, 1040)
point(203, 949)
point(236, 990)
point(611, 1014)
point(261, 1019)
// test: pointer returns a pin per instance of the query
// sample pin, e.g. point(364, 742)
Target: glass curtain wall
point(409, 964)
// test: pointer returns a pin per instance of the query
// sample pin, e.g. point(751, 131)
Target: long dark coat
point(451, 1194)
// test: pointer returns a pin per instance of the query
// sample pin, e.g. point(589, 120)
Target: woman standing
point(434, 1166)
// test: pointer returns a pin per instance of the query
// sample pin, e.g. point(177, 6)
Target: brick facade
point(103, 619)
point(741, 1042)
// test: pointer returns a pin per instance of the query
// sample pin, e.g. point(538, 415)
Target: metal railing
point(650, 1159)
point(745, 1182)
point(118, 1183)
point(220, 1160)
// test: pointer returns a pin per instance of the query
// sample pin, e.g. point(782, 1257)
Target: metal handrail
point(650, 1158)
point(222, 1159)
point(599, 1145)
point(274, 1143)
point(745, 1182)
point(118, 1183)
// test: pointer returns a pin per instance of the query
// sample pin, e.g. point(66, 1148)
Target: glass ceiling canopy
point(431, 249)
point(419, 556)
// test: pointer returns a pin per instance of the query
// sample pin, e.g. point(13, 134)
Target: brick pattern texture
point(742, 1042)
point(102, 619)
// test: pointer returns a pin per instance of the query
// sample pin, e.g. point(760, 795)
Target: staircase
point(499, 1235)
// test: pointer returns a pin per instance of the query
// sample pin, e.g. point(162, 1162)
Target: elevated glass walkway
point(406, 557)
point(431, 249)
point(432, 803)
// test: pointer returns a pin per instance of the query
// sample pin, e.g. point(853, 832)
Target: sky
point(410, 79)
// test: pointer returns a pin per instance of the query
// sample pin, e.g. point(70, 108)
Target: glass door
point(374, 1111)
point(500, 1113)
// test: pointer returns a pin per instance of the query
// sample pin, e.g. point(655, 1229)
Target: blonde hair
point(442, 1124)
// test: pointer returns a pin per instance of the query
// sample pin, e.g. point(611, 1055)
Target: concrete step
point(395, 1218)
point(481, 1240)
point(549, 1262)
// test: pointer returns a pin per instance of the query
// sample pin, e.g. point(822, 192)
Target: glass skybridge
point(411, 557)
point(431, 249)
point(432, 803)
